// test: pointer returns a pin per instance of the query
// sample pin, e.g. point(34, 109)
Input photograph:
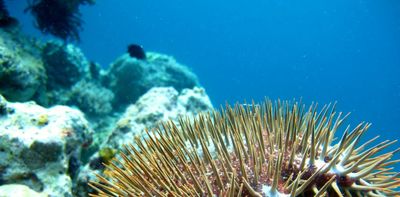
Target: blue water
point(344, 50)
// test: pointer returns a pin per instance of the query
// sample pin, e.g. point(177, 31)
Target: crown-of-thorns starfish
point(271, 149)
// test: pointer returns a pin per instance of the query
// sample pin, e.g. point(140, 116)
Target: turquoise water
point(322, 51)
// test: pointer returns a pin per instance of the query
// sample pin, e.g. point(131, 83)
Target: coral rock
point(65, 64)
point(13, 190)
point(158, 104)
point(130, 78)
point(91, 97)
point(38, 146)
point(22, 73)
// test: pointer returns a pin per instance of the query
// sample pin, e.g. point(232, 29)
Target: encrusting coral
point(40, 147)
point(22, 74)
point(129, 78)
point(272, 149)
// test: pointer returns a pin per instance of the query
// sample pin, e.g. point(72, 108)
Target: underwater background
point(314, 51)
point(321, 51)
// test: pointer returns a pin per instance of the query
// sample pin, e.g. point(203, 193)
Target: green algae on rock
point(129, 78)
point(22, 74)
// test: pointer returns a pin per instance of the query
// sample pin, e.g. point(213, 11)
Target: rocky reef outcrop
point(62, 116)
point(65, 64)
point(54, 73)
point(22, 74)
point(72, 81)
point(129, 78)
point(91, 97)
point(12, 190)
point(40, 147)
point(158, 104)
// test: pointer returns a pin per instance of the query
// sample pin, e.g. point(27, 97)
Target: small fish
point(136, 51)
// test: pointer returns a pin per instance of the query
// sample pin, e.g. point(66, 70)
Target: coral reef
point(65, 64)
point(12, 190)
point(129, 78)
point(54, 151)
point(58, 17)
point(73, 80)
point(158, 104)
point(40, 147)
point(22, 76)
point(266, 149)
point(59, 73)
point(91, 97)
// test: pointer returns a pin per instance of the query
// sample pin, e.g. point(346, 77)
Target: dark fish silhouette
point(136, 51)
